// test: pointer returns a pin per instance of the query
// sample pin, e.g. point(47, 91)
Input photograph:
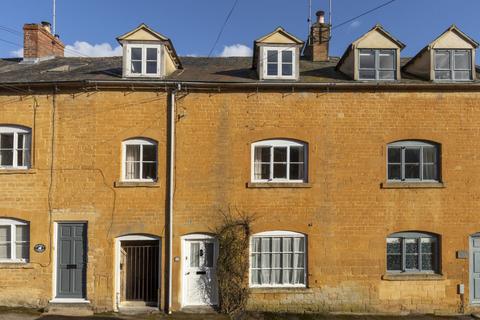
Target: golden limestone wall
point(344, 213)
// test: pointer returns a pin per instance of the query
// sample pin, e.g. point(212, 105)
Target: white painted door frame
point(118, 242)
point(54, 264)
point(185, 251)
point(471, 283)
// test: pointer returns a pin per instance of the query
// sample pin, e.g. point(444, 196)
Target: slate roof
point(195, 69)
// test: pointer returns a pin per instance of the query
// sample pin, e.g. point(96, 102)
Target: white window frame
point(142, 142)
point(414, 144)
point(280, 143)
point(144, 48)
point(27, 142)
point(377, 68)
point(279, 234)
point(279, 62)
point(13, 223)
point(452, 65)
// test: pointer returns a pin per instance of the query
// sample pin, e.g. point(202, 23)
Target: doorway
point(475, 269)
point(200, 286)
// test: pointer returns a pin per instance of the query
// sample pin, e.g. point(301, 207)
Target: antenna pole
point(309, 15)
point(330, 12)
point(54, 17)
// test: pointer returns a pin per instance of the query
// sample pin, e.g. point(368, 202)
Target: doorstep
point(69, 307)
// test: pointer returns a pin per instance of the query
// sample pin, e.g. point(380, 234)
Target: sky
point(91, 26)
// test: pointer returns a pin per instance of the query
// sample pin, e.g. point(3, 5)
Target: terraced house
point(362, 173)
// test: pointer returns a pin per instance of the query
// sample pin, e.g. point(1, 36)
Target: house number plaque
point(39, 247)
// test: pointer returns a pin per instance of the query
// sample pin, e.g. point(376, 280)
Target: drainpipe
point(170, 195)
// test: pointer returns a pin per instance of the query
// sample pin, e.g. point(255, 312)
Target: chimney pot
point(320, 16)
point(47, 26)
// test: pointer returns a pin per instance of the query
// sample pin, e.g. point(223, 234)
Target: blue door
point(71, 260)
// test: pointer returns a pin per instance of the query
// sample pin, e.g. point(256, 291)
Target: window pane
point(287, 244)
point(299, 244)
point(280, 171)
point(288, 260)
point(136, 67)
point(299, 277)
point(394, 155)
point(6, 141)
point(394, 245)
point(272, 69)
point(265, 276)
point(367, 59)
point(298, 260)
point(443, 75)
point(394, 262)
point(256, 245)
point(262, 154)
point(149, 153)
point(394, 172)
point(209, 254)
point(152, 54)
point(5, 239)
point(288, 276)
point(194, 255)
point(280, 154)
point(263, 171)
point(19, 158)
point(427, 262)
point(412, 171)
point(133, 152)
point(152, 67)
point(21, 233)
point(386, 75)
point(412, 155)
point(20, 138)
point(256, 277)
point(411, 261)
point(266, 245)
point(287, 69)
point(387, 59)
point(21, 251)
point(136, 53)
point(367, 74)
point(411, 246)
point(149, 170)
point(132, 170)
point(428, 245)
point(276, 276)
point(463, 75)
point(429, 154)
point(272, 56)
point(296, 171)
point(296, 154)
point(461, 60)
point(430, 172)
point(287, 56)
point(6, 157)
point(442, 60)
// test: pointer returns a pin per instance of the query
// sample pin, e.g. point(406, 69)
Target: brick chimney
point(317, 45)
point(39, 43)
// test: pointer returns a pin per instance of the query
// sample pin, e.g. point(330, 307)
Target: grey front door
point(71, 260)
point(475, 269)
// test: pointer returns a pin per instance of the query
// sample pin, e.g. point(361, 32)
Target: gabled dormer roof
point(379, 28)
point(277, 37)
point(452, 37)
point(144, 33)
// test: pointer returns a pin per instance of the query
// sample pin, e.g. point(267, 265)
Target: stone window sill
point(413, 277)
point(15, 265)
point(279, 289)
point(278, 185)
point(18, 171)
point(412, 185)
point(125, 184)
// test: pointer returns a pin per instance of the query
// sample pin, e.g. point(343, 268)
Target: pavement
point(30, 314)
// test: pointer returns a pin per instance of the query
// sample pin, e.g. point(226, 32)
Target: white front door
point(200, 280)
point(475, 269)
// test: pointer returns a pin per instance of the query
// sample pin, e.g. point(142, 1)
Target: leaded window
point(279, 161)
point(412, 252)
point(278, 258)
point(412, 161)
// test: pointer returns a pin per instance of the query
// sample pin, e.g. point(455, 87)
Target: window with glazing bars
point(453, 64)
point(377, 64)
point(412, 252)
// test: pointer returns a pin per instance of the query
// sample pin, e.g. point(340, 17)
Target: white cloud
point(355, 24)
point(83, 48)
point(236, 50)
point(17, 53)
point(192, 55)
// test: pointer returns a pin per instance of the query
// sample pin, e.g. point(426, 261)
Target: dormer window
point(279, 62)
point(377, 64)
point(144, 60)
point(453, 65)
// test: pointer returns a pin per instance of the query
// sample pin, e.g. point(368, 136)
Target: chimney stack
point(39, 43)
point(318, 40)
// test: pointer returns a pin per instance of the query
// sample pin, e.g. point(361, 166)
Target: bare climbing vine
point(233, 234)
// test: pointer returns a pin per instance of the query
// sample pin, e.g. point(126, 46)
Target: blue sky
point(194, 24)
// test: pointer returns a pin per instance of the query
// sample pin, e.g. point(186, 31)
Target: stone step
point(69, 309)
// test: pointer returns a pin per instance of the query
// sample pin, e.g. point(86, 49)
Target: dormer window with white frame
point(144, 60)
point(279, 63)
point(453, 64)
point(377, 64)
